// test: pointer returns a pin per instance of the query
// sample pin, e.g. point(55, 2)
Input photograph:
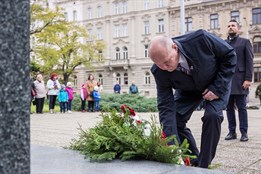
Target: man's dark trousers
point(240, 101)
point(211, 128)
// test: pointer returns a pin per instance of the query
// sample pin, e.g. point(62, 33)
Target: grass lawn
point(45, 108)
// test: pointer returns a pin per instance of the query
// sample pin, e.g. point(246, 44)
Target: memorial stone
point(14, 87)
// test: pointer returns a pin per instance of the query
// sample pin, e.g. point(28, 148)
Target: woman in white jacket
point(53, 86)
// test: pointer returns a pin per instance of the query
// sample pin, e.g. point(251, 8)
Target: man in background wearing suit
point(240, 82)
point(199, 66)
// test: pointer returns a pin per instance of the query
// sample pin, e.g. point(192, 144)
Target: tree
point(61, 46)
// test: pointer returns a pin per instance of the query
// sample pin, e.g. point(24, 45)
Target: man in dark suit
point(200, 67)
point(240, 82)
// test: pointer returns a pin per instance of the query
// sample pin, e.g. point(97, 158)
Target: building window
point(90, 32)
point(125, 53)
point(188, 24)
point(256, 13)
point(146, 27)
point(160, 3)
point(100, 79)
point(161, 25)
point(74, 15)
point(99, 33)
point(99, 11)
point(126, 79)
point(147, 78)
point(235, 16)
point(65, 16)
point(146, 53)
point(117, 8)
point(213, 21)
point(257, 44)
point(146, 4)
point(100, 56)
point(118, 54)
point(124, 30)
point(89, 13)
point(117, 31)
point(118, 77)
point(125, 7)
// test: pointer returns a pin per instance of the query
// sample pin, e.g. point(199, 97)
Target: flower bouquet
point(125, 136)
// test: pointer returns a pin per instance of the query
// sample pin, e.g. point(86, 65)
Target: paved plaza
point(51, 132)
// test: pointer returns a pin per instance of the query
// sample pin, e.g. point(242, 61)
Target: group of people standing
point(91, 92)
point(65, 94)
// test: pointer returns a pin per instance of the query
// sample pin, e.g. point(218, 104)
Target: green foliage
point(58, 45)
point(137, 102)
point(117, 137)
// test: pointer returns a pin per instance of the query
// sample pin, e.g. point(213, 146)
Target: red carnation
point(163, 135)
point(124, 107)
point(187, 161)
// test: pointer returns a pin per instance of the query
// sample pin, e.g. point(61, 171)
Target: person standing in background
point(69, 90)
point(53, 86)
point(40, 93)
point(63, 99)
point(83, 97)
point(89, 87)
point(240, 83)
point(97, 98)
point(133, 88)
point(117, 88)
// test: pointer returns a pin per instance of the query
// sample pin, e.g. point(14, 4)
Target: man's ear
point(175, 46)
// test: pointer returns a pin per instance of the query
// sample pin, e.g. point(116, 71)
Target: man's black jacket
point(211, 61)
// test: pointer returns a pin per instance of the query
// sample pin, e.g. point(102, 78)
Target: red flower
point(125, 107)
point(187, 161)
point(163, 135)
point(138, 121)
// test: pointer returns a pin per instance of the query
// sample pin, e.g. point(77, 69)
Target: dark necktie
point(182, 69)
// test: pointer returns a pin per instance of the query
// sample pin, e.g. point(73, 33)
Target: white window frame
point(161, 25)
point(99, 11)
point(146, 27)
point(146, 4)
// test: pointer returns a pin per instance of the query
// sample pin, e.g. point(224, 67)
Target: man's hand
point(246, 84)
point(209, 95)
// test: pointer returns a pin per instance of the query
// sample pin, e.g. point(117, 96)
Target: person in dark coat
point(199, 66)
point(240, 82)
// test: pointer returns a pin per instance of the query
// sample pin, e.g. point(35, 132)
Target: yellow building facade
point(127, 26)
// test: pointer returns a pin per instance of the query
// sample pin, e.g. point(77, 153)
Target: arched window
point(257, 44)
point(118, 54)
point(147, 78)
point(118, 77)
point(126, 80)
point(125, 53)
point(100, 79)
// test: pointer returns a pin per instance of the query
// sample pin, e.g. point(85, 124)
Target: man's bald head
point(164, 53)
point(159, 46)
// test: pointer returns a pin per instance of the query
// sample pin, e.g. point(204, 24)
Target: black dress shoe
point(244, 137)
point(231, 136)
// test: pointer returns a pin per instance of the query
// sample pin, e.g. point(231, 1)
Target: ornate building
point(127, 26)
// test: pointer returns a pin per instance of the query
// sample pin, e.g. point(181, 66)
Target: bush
point(138, 103)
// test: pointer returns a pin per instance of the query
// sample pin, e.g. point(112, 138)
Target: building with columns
point(127, 26)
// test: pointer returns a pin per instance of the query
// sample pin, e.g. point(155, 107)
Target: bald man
point(199, 66)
